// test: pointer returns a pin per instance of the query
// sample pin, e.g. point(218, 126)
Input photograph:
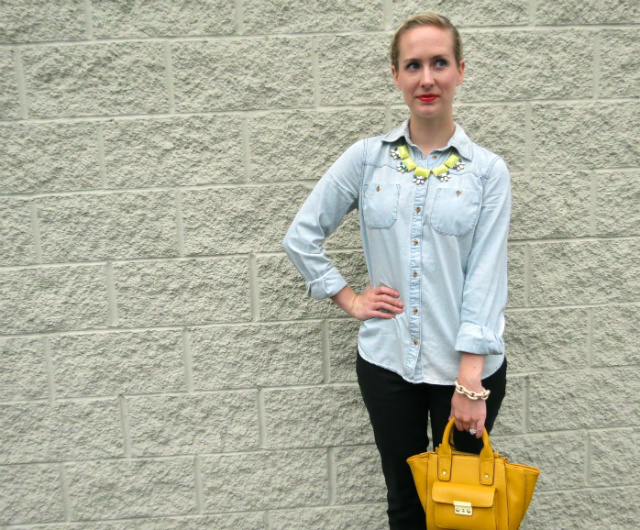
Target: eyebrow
point(415, 59)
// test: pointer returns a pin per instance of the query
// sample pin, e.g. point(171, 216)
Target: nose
point(426, 79)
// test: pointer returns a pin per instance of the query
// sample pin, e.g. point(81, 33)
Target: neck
point(431, 134)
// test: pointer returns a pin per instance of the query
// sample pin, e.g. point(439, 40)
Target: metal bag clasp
point(463, 508)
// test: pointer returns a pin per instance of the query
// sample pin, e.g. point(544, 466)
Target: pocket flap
point(450, 492)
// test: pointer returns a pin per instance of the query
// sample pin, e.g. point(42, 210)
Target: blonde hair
point(425, 19)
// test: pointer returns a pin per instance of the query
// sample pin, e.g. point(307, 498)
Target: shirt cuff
point(479, 340)
point(326, 286)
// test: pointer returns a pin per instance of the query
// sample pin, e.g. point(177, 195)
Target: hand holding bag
point(463, 491)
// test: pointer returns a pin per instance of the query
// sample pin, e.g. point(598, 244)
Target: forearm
point(470, 371)
point(345, 299)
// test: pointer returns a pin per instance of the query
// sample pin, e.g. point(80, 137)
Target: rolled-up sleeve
point(485, 287)
point(335, 195)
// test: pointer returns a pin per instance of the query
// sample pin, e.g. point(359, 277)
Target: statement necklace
point(421, 174)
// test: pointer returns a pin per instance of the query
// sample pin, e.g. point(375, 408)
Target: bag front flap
point(452, 492)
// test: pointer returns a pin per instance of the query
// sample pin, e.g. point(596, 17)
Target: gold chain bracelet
point(471, 394)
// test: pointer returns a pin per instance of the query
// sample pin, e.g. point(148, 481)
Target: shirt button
point(415, 274)
point(415, 341)
point(415, 310)
point(434, 156)
point(415, 241)
point(418, 209)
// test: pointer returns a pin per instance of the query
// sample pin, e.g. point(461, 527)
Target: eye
point(441, 63)
point(413, 65)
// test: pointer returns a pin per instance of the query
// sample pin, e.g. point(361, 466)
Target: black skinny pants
point(399, 412)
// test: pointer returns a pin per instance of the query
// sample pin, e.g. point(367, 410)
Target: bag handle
point(486, 457)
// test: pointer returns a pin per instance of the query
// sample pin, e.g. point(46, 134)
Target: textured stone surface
point(165, 18)
point(619, 63)
point(511, 419)
point(279, 139)
point(242, 74)
point(9, 101)
point(585, 272)
point(282, 290)
point(586, 135)
point(118, 363)
point(32, 21)
point(60, 298)
point(355, 70)
point(614, 457)
point(330, 415)
point(250, 356)
point(616, 336)
point(369, 516)
point(550, 205)
point(23, 369)
point(108, 226)
point(558, 400)
point(30, 494)
point(343, 340)
point(173, 425)
point(547, 339)
point(96, 79)
point(618, 195)
point(48, 157)
point(183, 292)
point(33, 432)
point(466, 12)
point(359, 477)
point(516, 276)
point(233, 221)
point(285, 16)
point(16, 239)
point(586, 12)
point(133, 488)
point(176, 151)
point(265, 481)
point(496, 72)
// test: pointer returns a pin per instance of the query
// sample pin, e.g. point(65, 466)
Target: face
point(427, 71)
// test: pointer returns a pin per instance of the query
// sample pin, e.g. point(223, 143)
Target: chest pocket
point(380, 205)
point(455, 211)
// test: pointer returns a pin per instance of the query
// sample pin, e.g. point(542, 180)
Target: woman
point(434, 214)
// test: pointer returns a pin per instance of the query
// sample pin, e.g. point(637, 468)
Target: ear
point(395, 76)
point(461, 72)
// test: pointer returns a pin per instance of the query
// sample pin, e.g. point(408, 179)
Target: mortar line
point(596, 65)
point(88, 20)
point(262, 420)
point(179, 224)
point(528, 136)
point(590, 332)
point(527, 275)
point(168, 69)
point(51, 382)
point(239, 17)
point(315, 61)
point(20, 83)
point(387, 14)
point(267, 520)
point(111, 294)
point(64, 490)
point(332, 476)
point(593, 198)
point(187, 359)
point(531, 12)
point(246, 149)
point(101, 156)
point(35, 231)
point(197, 479)
point(326, 356)
point(254, 288)
point(124, 421)
point(587, 460)
point(525, 394)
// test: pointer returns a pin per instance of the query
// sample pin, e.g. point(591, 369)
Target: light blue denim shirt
point(441, 245)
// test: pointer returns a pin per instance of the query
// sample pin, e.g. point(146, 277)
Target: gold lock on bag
point(463, 491)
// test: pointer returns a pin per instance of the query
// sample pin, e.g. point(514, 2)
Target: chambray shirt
point(441, 245)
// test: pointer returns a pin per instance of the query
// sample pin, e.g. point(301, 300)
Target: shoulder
point(489, 165)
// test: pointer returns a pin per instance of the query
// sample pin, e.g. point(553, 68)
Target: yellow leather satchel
point(463, 491)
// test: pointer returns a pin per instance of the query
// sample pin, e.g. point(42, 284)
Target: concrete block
point(183, 292)
point(131, 488)
point(328, 415)
point(282, 289)
point(279, 139)
point(243, 74)
point(233, 221)
point(359, 475)
point(606, 132)
point(108, 226)
point(369, 516)
point(32, 21)
point(30, 494)
point(558, 400)
point(496, 72)
point(617, 196)
point(551, 12)
point(355, 70)
point(511, 419)
point(284, 16)
point(110, 364)
point(550, 205)
point(49, 157)
point(265, 481)
point(619, 63)
point(561, 457)
point(48, 299)
point(347, 236)
point(173, 151)
point(256, 356)
point(616, 336)
point(343, 341)
point(178, 425)
point(95, 79)
point(546, 339)
point(9, 100)
point(16, 239)
point(516, 277)
point(466, 12)
point(614, 457)
point(23, 369)
point(164, 18)
point(37, 432)
point(588, 272)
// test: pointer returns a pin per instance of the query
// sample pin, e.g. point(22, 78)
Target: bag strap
point(486, 459)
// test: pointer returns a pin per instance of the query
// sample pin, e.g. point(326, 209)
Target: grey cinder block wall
point(160, 366)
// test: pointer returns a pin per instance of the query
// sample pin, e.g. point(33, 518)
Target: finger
point(382, 314)
point(480, 428)
point(392, 301)
point(383, 289)
point(459, 425)
point(387, 307)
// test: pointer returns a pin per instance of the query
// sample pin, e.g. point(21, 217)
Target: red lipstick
point(427, 97)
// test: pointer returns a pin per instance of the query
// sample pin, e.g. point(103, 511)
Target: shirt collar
point(460, 141)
